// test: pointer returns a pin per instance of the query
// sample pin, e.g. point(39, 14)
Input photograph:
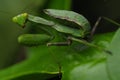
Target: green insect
point(76, 26)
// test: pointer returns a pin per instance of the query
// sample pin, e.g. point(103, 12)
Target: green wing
point(69, 18)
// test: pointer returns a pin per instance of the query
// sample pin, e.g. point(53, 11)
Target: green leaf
point(73, 59)
point(90, 71)
point(34, 76)
point(40, 61)
point(89, 64)
point(113, 61)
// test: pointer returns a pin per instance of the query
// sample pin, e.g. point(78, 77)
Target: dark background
point(92, 9)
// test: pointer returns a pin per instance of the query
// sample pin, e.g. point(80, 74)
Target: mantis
point(75, 25)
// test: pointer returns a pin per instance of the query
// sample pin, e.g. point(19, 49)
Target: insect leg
point(111, 21)
point(98, 21)
point(95, 26)
point(66, 43)
point(90, 44)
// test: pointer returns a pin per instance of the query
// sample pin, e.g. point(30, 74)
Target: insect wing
point(69, 17)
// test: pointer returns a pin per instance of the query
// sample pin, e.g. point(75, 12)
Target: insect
point(75, 25)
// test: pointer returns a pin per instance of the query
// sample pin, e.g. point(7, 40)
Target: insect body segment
point(34, 39)
point(21, 19)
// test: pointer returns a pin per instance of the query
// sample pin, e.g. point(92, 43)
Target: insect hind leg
point(98, 21)
point(95, 26)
